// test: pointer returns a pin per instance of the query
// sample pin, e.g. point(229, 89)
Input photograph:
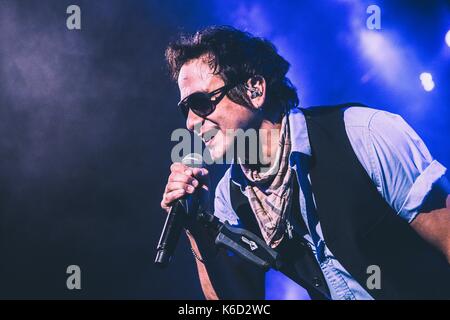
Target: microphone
point(186, 206)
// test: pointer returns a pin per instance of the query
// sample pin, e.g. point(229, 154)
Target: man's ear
point(256, 91)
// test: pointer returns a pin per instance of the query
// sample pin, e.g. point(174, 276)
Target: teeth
point(208, 135)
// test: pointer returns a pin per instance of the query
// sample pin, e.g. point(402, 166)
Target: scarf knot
point(269, 193)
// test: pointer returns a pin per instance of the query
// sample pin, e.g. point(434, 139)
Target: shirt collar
point(299, 132)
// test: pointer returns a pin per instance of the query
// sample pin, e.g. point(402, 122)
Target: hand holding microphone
point(187, 189)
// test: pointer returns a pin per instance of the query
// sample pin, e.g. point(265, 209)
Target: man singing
point(347, 189)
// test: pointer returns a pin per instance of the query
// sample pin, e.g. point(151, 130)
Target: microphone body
point(175, 220)
point(170, 234)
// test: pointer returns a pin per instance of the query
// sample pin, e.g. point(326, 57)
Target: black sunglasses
point(200, 102)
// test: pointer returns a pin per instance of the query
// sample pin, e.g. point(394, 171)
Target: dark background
point(86, 117)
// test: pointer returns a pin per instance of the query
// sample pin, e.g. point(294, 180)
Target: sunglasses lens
point(199, 103)
point(184, 109)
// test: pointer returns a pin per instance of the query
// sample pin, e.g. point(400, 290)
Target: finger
point(171, 197)
point(201, 174)
point(178, 167)
point(181, 177)
point(197, 172)
point(172, 186)
point(164, 205)
point(205, 171)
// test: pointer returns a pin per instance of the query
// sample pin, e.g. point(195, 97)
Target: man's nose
point(194, 122)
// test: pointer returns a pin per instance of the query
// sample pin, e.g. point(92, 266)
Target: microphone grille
point(193, 160)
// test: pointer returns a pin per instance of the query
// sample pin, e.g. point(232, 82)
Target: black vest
point(358, 225)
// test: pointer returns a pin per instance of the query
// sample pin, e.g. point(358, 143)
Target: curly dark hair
point(237, 56)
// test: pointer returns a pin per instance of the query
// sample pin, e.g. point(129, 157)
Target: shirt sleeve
point(405, 170)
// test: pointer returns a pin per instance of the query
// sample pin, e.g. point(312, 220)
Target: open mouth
point(208, 140)
point(209, 136)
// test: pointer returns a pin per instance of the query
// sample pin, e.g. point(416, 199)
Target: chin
point(216, 153)
point(219, 150)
